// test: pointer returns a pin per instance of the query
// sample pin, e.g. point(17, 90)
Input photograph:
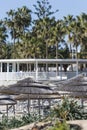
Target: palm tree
point(77, 34)
point(74, 30)
point(83, 21)
point(68, 28)
point(10, 23)
point(3, 36)
point(59, 34)
point(23, 48)
point(22, 20)
point(18, 23)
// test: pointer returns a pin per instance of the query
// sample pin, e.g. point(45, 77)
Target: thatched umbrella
point(82, 95)
point(27, 86)
point(75, 87)
point(23, 97)
point(7, 100)
point(41, 96)
point(76, 84)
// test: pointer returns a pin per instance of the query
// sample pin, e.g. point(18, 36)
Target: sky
point(65, 7)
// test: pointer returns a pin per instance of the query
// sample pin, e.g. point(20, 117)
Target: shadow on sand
point(75, 127)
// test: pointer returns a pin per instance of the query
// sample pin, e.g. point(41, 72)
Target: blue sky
point(74, 7)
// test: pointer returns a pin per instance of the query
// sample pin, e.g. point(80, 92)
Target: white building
point(39, 69)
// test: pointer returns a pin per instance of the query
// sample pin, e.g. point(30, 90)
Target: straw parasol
point(82, 95)
point(41, 96)
point(7, 100)
point(27, 86)
point(76, 84)
point(75, 87)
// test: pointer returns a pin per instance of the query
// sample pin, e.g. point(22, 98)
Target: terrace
point(40, 69)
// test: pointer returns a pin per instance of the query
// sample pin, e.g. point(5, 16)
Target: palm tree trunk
point(57, 69)
point(46, 56)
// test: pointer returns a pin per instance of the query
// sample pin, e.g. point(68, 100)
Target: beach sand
point(81, 123)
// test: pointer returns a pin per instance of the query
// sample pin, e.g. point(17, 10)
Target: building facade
point(41, 69)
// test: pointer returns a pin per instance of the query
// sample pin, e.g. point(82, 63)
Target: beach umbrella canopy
point(28, 80)
point(26, 86)
point(76, 84)
point(32, 97)
point(32, 88)
point(78, 94)
point(7, 100)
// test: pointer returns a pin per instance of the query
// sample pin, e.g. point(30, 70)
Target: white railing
point(16, 75)
point(40, 76)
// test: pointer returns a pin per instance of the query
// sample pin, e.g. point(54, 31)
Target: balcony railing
point(39, 76)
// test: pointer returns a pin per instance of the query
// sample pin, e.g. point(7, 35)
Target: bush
point(29, 119)
point(14, 123)
point(60, 126)
point(68, 110)
point(2, 127)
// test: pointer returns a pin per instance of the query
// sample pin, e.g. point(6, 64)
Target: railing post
point(76, 67)
point(1, 71)
point(17, 67)
point(36, 70)
point(61, 72)
point(1, 67)
point(14, 67)
point(7, 71)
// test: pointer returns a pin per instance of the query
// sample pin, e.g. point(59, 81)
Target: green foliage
point(60, 126)
point(2, 127)
point(68, 110)
point(28, 119)
point(4, 121)
point(46, 32)
point(14, 123)
point(64, 50)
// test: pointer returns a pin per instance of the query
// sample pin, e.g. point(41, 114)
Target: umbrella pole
point(39, 107)
point(82, 102)
point(49, 106)
point(41, 110)
point(14, 110)
point(49, 103)
point(7, 111)
point(28, 104)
